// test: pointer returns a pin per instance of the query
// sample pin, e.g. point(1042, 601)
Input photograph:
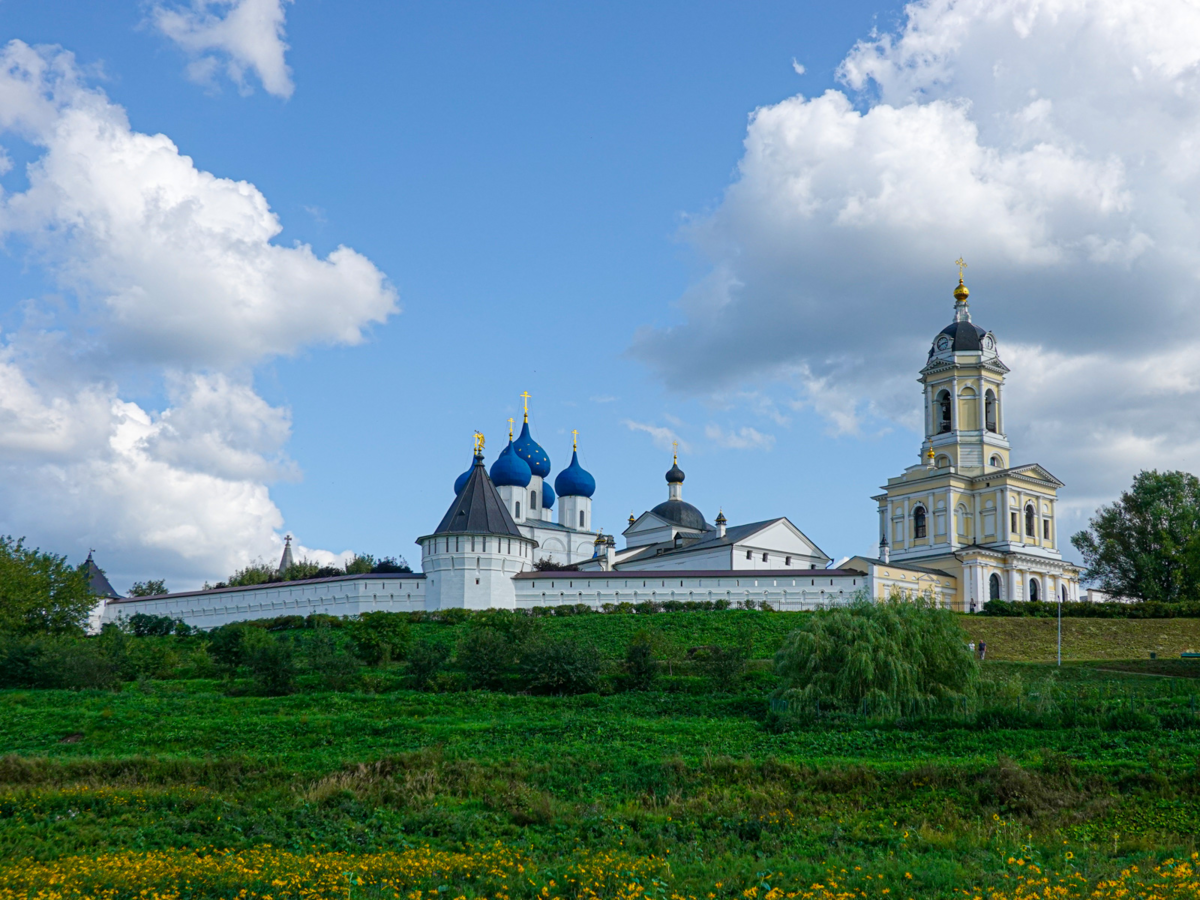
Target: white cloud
point(745, 438)
point(236, 35)
point(603, 398)
point(1060, 175)
point(170, 276)
point(796, 67)
point(664, 438)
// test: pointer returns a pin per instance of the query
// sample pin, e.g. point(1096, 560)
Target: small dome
point(575, 480)
point(510, 469)
point(675, 474)
point(959, 337)
point(547, 495)
point(681, 513)
point(530, 451)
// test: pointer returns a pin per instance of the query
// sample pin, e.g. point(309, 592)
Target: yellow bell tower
point(964, 395)
point(964, 510)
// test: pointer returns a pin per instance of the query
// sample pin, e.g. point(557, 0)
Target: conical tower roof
point(98, 584)
point(478, 508)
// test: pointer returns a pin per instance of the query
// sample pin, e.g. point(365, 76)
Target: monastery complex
point(963, 525)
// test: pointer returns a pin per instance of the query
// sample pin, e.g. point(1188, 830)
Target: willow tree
point(888, 657)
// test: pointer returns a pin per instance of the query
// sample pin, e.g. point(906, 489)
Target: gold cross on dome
point(526, 396)
point(961, 263)
point(575, 439)
point(510, 421)
point(675, 450)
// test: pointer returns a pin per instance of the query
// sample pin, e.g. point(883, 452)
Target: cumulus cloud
point(237, 36)
point(664, 438)
point(1061, 176)
point(745, 438)
point(169, 274)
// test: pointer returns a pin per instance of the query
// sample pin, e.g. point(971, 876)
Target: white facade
point(348, 595)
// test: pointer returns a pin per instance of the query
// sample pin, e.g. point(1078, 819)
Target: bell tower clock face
point(943, 343)
point(989, 342)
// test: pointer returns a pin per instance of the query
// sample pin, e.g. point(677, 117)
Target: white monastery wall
point(348, 595)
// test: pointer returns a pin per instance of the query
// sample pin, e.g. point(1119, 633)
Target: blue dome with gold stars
point(531, 452)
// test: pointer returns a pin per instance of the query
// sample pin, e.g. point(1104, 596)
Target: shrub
point(640, 668)
point(485, 655)
point(559, 665)
point(380, 637)
point(1131, 720)
point(225, 646)
point(271, 662)
point(892, 655)
point(145, 625)
point(425, 662)
point(336, 667)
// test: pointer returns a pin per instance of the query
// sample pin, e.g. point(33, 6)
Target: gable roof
point(711, 540)
point(1029, 470)
point(478, 508)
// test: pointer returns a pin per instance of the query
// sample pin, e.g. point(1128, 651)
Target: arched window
point(997, 462)
point(1029, 524)
point(1035, 592)
point(942, 462)
point(994, 587)
point(532, 500)
point(581, 518)
point(919, 522)
point(943, 406)
point(518, 515)
point(989, 410)
point(1064, 593)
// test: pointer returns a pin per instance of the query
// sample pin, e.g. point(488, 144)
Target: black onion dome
point(964, 336)
point(679, 512)
point(675, 474)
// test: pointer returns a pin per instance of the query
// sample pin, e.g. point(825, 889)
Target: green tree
point(148, 588)
point(485, 655)
point(888, 656)
point(1146, 546)
point(40, 593)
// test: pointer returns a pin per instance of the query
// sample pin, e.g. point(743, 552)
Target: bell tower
point(964, 389)
point(964, 509)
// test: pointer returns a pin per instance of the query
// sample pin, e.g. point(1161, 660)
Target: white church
point(963, 525)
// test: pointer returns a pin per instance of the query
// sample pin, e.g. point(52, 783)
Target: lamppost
point(1059, 629)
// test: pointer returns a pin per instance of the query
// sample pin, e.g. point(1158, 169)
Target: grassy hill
point(1035, 640)
point(180, 787)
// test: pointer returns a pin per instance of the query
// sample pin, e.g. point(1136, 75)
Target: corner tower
point(964, 509)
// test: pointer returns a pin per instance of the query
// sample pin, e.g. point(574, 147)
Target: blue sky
point(560, 197)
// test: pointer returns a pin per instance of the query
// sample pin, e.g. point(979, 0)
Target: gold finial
point(510, 421)
point(961, 292)
point(930, 455)
point(575, 439)
point(631, 518)
point(479, 443)
point(526, 396)
point(675, 452)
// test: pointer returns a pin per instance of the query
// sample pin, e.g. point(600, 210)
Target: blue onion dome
point(461, 481)
point(548, 497)
point(530, 451)
point(510, 469)
point(575, 480)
